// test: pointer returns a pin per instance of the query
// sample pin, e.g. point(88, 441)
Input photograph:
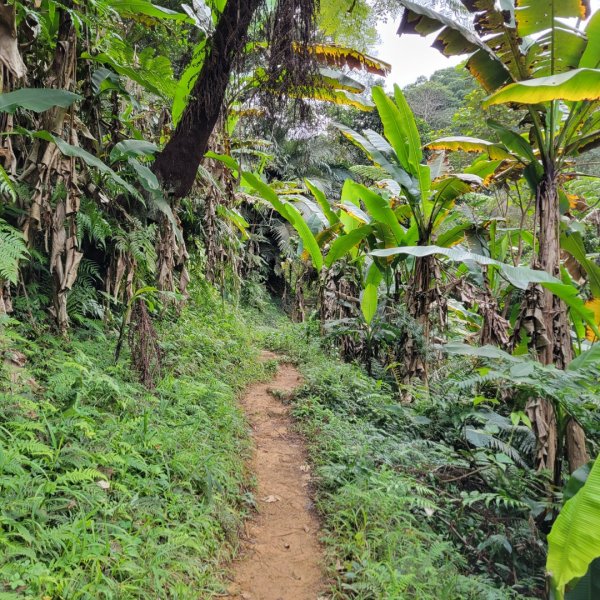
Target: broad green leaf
point(574, 541)
point(344, 243)
point(264, 190)
point(350, 193)
point(578, 84)
point(577, 480)
point(573, 244)
point(368, 302)
point(408, 182)
point(291, 214)
point(447, 189)
point(454, 235)
point(379, 209)
point(489, 71)
point(145, 176)
point(132, 148)
point(355, 213)
point(407, 120)
point(391, 118)
point(586, 359)
point(153, 72)
point(569, 44)
point(322, 201)
point(36, 99)
point(91, 160)
point(532, 16)
point(486, 351)
point(135, 8)
point(234, 217)
point(570, 296)
point(588, 587)
point(158, 202)
point(520, 277)
point(591, 55)
point(483, 168)
point(226, 159)
point(514, 141)
point(186, 82)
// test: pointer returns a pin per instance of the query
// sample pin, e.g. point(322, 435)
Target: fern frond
point(12, 250)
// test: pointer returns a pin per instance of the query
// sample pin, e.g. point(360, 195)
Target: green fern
point(369, 172)
point(498, 499)
point(91, 223)
point(80, 476)
point(12, 250)
point(139, 242)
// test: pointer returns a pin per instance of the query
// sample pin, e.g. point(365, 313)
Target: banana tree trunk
point(552, 338)
point(546, 320)
point(423, 295)
point(52, 172)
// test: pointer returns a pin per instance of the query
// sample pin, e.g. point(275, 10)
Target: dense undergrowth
point(112, 491)
point(109, 490)
point(405, 516)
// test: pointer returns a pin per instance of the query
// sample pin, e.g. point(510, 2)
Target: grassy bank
point(108, 490)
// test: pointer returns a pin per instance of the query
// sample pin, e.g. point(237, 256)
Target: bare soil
point(281, 557)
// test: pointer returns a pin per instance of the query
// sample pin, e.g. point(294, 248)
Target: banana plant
point(543, 58)
point(540, 57)
point(419, 209)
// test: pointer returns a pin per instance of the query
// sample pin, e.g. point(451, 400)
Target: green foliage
point(12, 250)
point(394, 527)
point(574, 541)
point(110, 491)
point(37, 100)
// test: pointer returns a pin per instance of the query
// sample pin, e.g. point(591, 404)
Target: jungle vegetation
point(182, 184)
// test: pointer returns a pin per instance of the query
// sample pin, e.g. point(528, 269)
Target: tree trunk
point(553, 339)
point(577, 454)
point(546, 321)
point(55, 174)
point(423, 294)
point(177, 164)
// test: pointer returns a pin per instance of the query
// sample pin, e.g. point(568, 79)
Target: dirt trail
point(281, 558)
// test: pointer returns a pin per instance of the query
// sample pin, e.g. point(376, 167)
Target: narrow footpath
point(281, 558)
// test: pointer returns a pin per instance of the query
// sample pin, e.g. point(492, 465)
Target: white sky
point(412, 55)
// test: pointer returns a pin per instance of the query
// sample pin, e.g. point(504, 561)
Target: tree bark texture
point(177, 164)
point(423, 295)
point(545, 319)
point(55, 174)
